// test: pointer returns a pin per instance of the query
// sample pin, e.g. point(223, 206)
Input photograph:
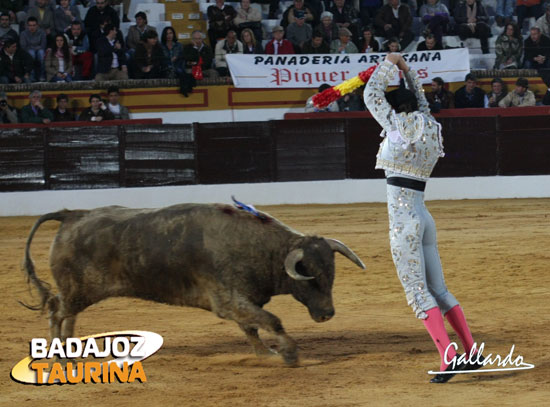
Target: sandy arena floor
point(374, 351)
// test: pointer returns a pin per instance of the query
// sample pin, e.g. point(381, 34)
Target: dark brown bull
point(213, 257)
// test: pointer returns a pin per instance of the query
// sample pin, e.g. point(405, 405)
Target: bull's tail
point(43, 288)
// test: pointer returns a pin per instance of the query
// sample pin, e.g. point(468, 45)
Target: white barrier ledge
point(274, 193)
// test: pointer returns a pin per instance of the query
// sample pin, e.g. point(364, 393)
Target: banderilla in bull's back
point(209, 256)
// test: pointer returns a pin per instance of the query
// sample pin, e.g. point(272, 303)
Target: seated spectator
point(111, 59)
point(278, 45)
point(33, 41)
point(289, 17)
point(35, 112)
point(6, 32)
point(59, 65)
point(471, 18)
point(62, 113)
point(119, 112)
point(173, 52)
point(469, 95)
point(96, 16)
point(528, 8)
point(435, 16)
point(395, 20)
point(509, 48)
point(346, 16)
point(220, 21)
point(15, 64)
point(79, 45)
point(543, 22)
point(8, 114)
point(439, 98)
point(520, 97)
point(14, 10)
point(197, 53)
point(149, 58)
point(316, 45)
point(95, 35)
point(44, 16)
point(311, 108)
point(248, 17)
point(496, 94)
point(136, 33)
point(231, 45)
point(327, 27)
point(343, 45)
point(505, 12)
point(537, 50)
point(392, 45)
point(97, 111)
point(65, 15)
point(546, 79)
point(250, 45)
point(351, 102)
point(430, 43)
point(368, 42)
point(298, 32)
point(368, 10)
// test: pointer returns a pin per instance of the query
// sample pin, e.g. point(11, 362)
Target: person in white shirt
point(120, 112)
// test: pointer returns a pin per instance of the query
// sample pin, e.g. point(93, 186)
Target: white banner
point(311, 71)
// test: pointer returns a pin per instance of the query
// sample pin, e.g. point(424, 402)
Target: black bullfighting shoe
point(445, 377)
point(474, 364)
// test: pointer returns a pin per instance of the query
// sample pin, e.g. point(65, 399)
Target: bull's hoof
point(263, 352)
point(291, 359)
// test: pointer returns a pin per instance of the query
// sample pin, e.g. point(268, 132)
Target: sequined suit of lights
point(411, 146)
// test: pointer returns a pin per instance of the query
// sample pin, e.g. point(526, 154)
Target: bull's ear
point(290, 265)
point(338, 246)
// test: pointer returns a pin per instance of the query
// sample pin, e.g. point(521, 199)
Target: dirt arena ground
point(496, 258)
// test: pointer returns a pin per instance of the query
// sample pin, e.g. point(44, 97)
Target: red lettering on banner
point(422, 73)
point(280, 76)
point(321, 76)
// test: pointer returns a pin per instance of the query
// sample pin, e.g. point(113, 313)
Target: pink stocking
point(456, 318)
point(436, 327)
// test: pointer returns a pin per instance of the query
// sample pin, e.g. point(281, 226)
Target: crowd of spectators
point(36, 112)
point(439, 98)
point(55, 43)
point(345, 26)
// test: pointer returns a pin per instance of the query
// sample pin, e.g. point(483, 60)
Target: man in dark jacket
point(469, 95)
point(97, 13)
point(6, 32)
point(8, 114)
point(316, 45)
point(111, 59)
point(388, 26)
point(439, 98)
point(198, 50)
point(97, 111)
point(220, 20)
point(536, 50)
point(471, 19)
point(430, 43)
point(15, 64)
point(35, 112)
point(62, 113)
point(79, 45)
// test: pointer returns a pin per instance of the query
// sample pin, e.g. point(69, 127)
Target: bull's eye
point(301, 269)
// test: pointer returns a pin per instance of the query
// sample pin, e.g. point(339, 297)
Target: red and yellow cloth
point(330, 95)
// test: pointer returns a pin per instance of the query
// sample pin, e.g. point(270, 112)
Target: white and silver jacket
point(412, 141)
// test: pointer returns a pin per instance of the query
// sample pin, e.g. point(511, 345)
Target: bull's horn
point(341, 248)
point(290, 265)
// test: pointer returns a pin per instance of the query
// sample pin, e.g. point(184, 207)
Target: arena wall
point(327, 160)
